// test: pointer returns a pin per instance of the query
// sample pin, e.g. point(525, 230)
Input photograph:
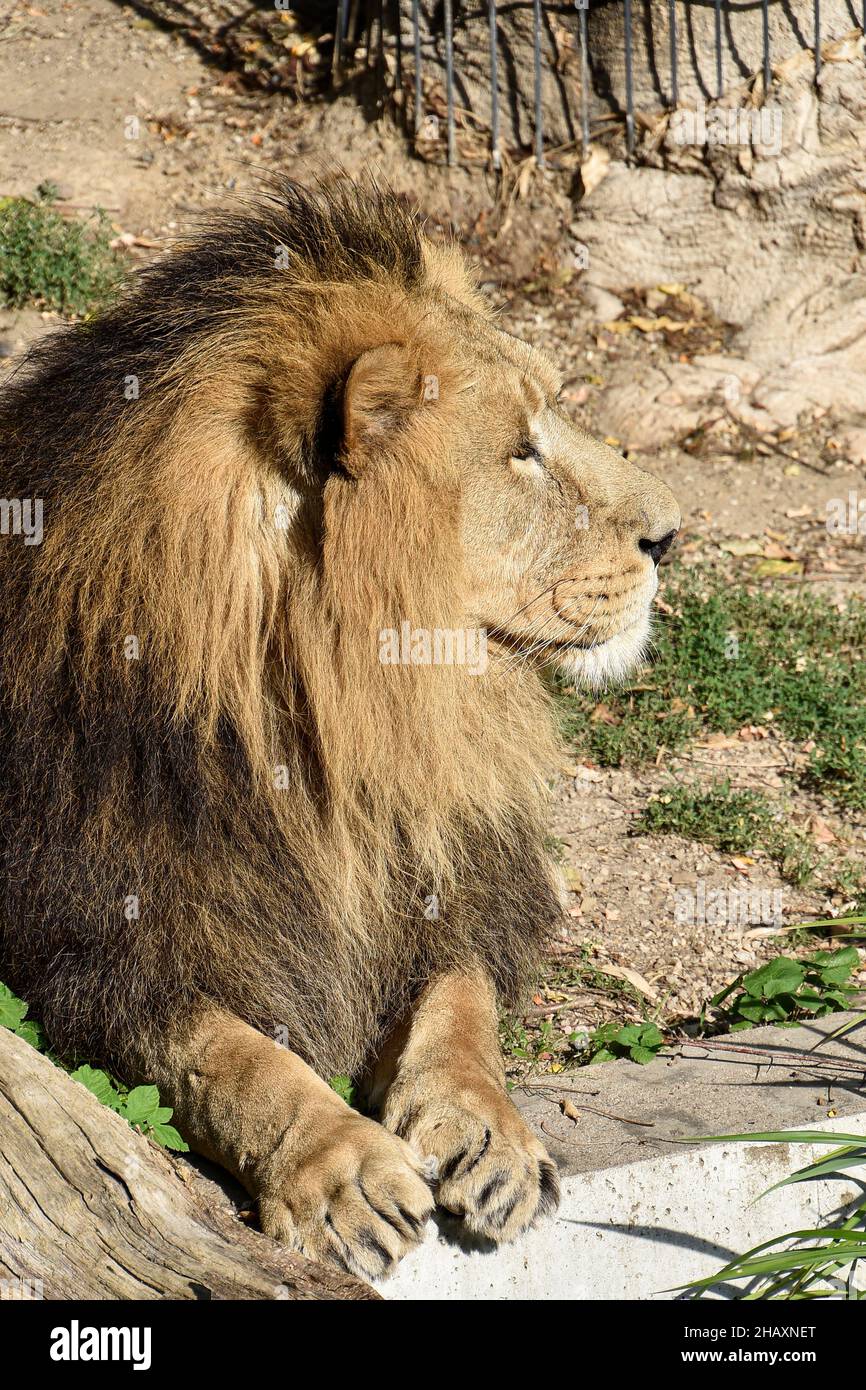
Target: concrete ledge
point(641, 1214)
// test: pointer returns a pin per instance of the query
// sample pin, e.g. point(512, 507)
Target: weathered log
point(90, 1209)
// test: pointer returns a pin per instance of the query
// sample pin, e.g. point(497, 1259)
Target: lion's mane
point(210, 786)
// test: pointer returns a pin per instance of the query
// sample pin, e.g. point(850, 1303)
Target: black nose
point(657, 548)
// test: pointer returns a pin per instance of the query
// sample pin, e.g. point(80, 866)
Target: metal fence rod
point(629, 83)
point(672, 11)
point(342, 26)
point(449, 79)
point(766, 26)
point(584, 80)
point(416, 46)
point(494, 86)
point(719, 82)
point(398, 47)
point(817, 39)
point(380, 54)
point(539, 123)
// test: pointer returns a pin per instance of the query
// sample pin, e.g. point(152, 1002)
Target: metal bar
point(342, 26)
point(494, 86)
point(584, 81)
point(398, 48)
point(629, 82)
point(817, 39)
point(380, 55)
point(719, 81)
point(766, 28)
point(449, 79)
point(539, 120)
point(416, 44)
point(672, 12)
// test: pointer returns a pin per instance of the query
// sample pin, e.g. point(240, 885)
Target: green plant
point(734, 822)
point(140, 1106)
point(641, 1042)
point(784, 990)
point(54, 262)
point(727, 657)
point(816, 1262)
point(344, 1088)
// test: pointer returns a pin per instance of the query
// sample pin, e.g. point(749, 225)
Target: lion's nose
point(657, 548)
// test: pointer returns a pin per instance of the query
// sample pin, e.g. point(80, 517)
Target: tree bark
point(89, 1209)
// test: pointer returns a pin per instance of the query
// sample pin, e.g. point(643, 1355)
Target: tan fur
point(332, 438)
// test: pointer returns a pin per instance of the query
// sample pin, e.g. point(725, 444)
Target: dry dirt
point(71, 77)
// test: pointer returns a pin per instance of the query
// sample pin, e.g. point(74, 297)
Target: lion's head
point(295, 485)
point(559, 536)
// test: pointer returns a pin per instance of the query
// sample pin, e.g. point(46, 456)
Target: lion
point(276, 746)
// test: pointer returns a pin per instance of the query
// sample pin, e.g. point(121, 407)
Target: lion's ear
point(382, 391)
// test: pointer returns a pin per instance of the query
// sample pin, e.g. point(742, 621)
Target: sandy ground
point(126, 117)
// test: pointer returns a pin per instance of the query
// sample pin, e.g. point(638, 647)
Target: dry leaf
point(750, 546)
point(719, 741)
point(765, 569)
point(624, 972)
point(570, 1111)
point(603, 714)
point(821, 831)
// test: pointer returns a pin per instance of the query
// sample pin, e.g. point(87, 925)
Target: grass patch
point(727, 657)
point(140, 1106)
point(732, 822)
point(54, 262)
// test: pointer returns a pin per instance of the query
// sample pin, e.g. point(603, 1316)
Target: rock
point(604, 305)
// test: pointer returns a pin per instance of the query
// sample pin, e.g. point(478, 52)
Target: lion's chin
point(611, 661)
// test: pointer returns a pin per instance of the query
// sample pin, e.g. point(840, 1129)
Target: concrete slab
point(641, 1213)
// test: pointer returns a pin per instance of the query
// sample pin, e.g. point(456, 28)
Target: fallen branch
point(90, 1209)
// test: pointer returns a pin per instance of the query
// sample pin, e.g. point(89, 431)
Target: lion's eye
point(526, 453)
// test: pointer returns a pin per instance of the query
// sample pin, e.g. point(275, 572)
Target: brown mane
point(306, 833)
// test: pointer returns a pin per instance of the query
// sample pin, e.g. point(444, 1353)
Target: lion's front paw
point(357, 1199)
point(491, 1169)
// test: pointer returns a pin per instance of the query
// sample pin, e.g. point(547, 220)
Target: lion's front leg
point(440, 1085)
point(329, 1182)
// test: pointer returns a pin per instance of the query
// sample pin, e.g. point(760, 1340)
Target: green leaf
point(168, 1137)
point(346, 1091)
point(161, 1115)
point(603, 1055)
point(99, 1082)
point(31, 1032)
point(642, 1055)
point(778, 976)
point(650, 1036)
point(755, 1013)
point(12, 1010)
point(628, 1035)
point(141, 1104)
